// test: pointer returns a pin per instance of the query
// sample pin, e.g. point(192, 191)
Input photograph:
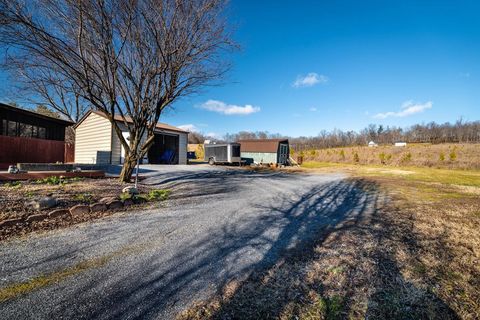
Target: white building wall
point(93, 140)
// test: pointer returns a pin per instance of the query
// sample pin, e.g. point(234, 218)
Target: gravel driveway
point(221, 224)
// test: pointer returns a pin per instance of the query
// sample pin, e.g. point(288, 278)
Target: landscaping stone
point(127, 202)
point(97, 207)
point(58, 213)
point(130, 190)
point(36, 217)
point(79, 209)
point(107, 199)
point(43, 203)
point(115, 204)
point(10, 222)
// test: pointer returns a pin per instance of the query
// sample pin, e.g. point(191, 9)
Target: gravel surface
point(152, 264)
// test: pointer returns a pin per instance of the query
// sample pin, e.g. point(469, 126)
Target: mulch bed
point(14, 199)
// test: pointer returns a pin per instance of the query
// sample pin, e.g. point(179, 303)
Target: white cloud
point(229, 109)
point(189, 127)
point(309, 80)
point(313, 109)
point(408, 108)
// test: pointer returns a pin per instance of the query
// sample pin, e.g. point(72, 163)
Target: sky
point(308, 66)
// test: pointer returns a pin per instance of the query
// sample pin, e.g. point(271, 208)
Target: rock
point(58, 213)
point(127, 202)
point(36, 217)
point(130, 190)
point(107, 199)
point(97, 207)
point(10, 222)
point(115, 204)
point(79, 209)
point(43, 203)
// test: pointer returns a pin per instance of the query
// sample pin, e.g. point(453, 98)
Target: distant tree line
point(460, 131)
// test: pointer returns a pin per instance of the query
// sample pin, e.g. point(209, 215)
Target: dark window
point(42, 133)
point(4, 127)
point(24, 130)
point(34, 131)
point(12, 128)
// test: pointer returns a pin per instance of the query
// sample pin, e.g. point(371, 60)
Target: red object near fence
point(14, 150)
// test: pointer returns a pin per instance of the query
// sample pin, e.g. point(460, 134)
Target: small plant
point(442, 156)
point(383, 158)
point(407, 157)
point(158, 194)
point(125, 196)
point(356, 158)
point(54, 180)
point(313, 153)
point(453, 155)
point(13, 184)
point(342, 154)
point(83, 197)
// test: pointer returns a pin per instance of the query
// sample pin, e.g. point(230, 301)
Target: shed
point(265, 150)
point(400, 144)
point(30, 137)
point(97, 142)
point(372, 144)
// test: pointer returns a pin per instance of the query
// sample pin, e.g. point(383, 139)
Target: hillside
point(454, 156)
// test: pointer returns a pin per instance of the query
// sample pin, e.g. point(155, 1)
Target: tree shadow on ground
point(259, 265)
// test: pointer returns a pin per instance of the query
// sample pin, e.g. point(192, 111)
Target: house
point(29, 137)
point(400, 144)
point(265, 150)
point(97, 142)
point(372, 144)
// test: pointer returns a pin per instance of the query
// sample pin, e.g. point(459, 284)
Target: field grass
point(448, 156)
point(416, 257)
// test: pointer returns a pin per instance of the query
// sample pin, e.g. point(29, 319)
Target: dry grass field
point(453, 156)
point(416, 257)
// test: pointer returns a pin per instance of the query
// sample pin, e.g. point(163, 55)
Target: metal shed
point(265, 150)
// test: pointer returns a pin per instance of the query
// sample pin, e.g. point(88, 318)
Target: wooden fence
point(29, 150)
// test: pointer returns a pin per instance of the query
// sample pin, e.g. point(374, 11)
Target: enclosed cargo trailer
point(222, 153)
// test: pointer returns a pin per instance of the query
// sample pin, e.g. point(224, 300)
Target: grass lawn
point(417, 256)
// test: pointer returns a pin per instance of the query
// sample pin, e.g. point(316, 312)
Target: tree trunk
point(128, 167)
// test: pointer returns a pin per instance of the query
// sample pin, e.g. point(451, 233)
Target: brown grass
point(417, 256)
point(453, 156)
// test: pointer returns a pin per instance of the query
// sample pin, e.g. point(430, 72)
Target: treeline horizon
point(458, 132)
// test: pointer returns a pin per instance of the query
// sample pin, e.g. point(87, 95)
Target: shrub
point(342, 154)
point(442, 156)
point(84, 197)
point(13, 184)
point(453, 155)
point(382, 158)
point(406, 157)
point(50, 180)
point(313, 153)
point(356, 158)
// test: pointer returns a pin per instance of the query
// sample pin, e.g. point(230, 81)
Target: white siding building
point(97, 143)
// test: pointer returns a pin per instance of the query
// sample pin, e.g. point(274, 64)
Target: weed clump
point(356, 158)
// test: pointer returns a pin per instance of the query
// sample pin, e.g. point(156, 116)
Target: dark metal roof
point(261, 145)
point(35, 114)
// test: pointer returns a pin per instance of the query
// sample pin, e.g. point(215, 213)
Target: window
point(12, 128)
point(4, 127)
point(34, 131)
point(24, 130)
point(42, 133)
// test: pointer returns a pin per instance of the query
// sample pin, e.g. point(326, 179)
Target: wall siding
point(261, 157)
point(93, 139)
point(182, 150)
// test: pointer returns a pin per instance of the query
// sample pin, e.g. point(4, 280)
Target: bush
point(406, 157)
point(13, 184)
point(84, 197)
point(356, 158)
point(313, 153)
point(382, 158)
point(50, 180)
point(442, 156)
point(453, 155)
point(342, 154)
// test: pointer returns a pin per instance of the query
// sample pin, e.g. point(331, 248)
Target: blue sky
point(307, 66)
point(386, 62)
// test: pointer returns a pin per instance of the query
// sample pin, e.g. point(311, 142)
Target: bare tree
point(125, 58)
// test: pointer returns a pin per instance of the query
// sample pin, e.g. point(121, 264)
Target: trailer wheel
point(211, 161)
